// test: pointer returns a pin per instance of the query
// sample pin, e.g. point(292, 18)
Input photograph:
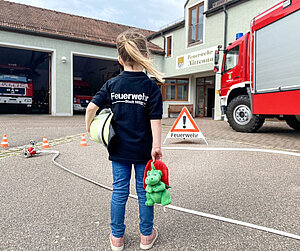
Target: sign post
point(185, 127)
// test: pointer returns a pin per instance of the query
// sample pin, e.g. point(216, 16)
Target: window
point(176, 89)
point(196, 24)
point(231, 58)
point(169, 46)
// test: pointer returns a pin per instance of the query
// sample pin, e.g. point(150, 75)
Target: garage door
point(89, 75)
point(24, 81)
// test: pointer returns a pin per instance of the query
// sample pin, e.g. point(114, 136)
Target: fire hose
point(190, 211)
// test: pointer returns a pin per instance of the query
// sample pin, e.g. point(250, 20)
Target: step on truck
point(260, 73)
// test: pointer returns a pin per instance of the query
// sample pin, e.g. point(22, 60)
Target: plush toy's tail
point(152, 166)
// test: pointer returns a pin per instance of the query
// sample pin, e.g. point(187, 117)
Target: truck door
point(232, 72)
point(234, 65)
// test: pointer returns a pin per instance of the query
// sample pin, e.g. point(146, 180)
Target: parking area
point(46, 208)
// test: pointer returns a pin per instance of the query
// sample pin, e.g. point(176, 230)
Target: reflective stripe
point(105, 141)
point(99, 133)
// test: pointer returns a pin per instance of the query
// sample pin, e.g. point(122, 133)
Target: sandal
point(148, 246)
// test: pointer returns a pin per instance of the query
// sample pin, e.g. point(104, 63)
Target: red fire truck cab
point(16, 87)
point(260, 74)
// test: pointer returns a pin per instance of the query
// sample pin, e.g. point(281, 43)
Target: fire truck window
point(232, 58)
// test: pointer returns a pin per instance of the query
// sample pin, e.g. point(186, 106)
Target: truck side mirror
point(216, 61)
point(216, 57)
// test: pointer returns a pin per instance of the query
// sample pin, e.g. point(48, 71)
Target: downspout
point(163, 85)
point(164, 41)
point(225, 26)
point(164, 37)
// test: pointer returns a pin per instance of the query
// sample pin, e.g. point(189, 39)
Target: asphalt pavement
point(46, 208)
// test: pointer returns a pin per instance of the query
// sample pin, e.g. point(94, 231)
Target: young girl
point(136, 102)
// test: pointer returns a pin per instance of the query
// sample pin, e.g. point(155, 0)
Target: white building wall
point(239, 18)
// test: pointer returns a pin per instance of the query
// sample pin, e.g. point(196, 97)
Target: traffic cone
point(83, 140)
point(4, 142)
point(45, 143)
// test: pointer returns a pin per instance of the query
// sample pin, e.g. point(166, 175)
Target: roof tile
point(28, 18)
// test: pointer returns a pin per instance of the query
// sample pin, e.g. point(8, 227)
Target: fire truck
point(81, 94)
point(260, 73)
point(16, 87)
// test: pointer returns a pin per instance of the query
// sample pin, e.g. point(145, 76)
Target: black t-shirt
point(135, 100)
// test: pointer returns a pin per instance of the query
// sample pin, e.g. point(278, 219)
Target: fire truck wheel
point(240, 117)
point(293, 121)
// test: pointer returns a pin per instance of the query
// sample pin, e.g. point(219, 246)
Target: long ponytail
point(132, 48)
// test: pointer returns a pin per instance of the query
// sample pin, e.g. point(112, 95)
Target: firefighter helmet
point(101, 128)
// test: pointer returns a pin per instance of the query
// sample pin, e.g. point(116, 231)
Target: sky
point(149, 14)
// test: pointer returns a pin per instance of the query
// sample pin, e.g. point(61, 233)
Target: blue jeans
point(121, 183)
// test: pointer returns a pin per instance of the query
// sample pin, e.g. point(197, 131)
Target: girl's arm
point(90, 115)
point(156, 152)
point(100, 100)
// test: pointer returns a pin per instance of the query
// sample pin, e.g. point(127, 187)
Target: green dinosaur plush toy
point(156, 190)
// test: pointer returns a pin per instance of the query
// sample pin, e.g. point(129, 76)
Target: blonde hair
point(132, 48)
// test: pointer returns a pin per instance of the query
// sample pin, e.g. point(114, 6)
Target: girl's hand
point(156, 145)
point(156, 153)
point(88, 129)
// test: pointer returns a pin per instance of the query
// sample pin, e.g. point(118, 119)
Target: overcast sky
point(149, 14)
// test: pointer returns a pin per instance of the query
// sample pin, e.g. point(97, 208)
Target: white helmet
point(101, 128)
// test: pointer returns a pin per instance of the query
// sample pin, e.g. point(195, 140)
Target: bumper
point(223, 110)
point(78, 108)
point(17, 100)
point(223, 106)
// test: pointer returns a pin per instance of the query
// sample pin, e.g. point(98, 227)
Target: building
point(65, 53)
point(68, 52)
point(189, 47)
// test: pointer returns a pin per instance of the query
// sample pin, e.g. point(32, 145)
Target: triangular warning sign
point(185, 122)
point(185, 127)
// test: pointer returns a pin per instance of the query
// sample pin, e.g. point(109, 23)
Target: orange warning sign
point(185, 127)
point(185, 122)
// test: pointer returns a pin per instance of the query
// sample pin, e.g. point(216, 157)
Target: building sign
point(13, 85)
point(196, 58)
point(217, 3)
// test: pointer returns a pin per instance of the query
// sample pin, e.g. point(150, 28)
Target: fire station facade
point(190, 45)
point(68, 57)
point(68, 52)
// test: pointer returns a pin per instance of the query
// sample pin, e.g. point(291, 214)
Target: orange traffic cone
point(4, 142)
point(45, 143)
point(83, 140)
